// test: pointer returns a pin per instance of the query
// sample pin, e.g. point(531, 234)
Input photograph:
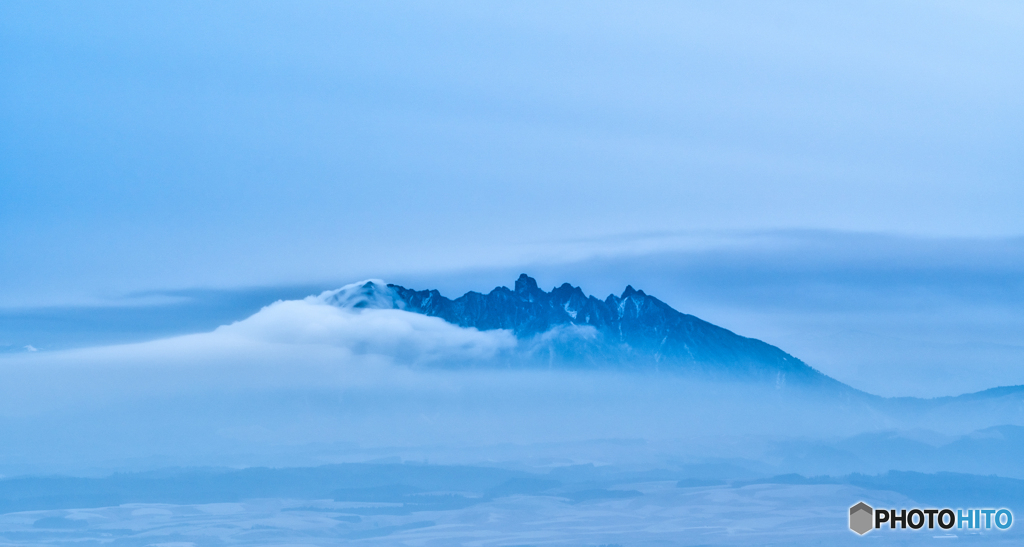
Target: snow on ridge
point(367, 294)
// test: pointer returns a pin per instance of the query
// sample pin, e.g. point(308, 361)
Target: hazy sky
point(844, 180)
point(172, 145)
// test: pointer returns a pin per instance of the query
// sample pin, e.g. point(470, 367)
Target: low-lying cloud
point(318, 325)
point(340, 375)
point(400, 335)
point(330, 371)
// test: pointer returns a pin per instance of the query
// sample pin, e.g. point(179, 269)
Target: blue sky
point(154, 147)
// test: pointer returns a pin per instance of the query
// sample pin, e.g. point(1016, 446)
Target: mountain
point(567, 328)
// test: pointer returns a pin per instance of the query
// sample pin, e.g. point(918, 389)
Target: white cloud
point(334, 326)
point(401, 335)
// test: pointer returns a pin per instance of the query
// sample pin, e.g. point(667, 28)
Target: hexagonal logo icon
point(861, 518)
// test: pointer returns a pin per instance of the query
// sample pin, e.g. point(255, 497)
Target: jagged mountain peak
point(634, 330)
point(526, 285)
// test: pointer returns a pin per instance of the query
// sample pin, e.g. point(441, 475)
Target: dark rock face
point(633, 330)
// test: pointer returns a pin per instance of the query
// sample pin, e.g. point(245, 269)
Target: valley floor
point(628, 514)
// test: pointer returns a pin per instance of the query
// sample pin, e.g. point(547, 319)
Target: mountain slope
point(565, 327)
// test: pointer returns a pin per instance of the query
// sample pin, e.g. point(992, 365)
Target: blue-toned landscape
point(379, 413)
point(521, 274)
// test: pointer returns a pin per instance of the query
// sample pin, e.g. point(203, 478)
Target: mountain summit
point(567, 328)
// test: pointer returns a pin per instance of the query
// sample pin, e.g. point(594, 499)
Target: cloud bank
point(362, 325)
point(341, 376)
point(338, 323)
point(304, 377)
